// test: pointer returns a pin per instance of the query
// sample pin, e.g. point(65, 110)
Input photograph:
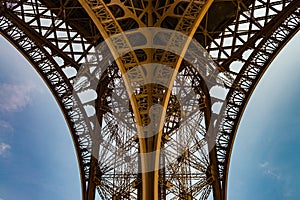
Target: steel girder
point(48, 47)
point(243, 46)
point(250, 54)
point(109, 23)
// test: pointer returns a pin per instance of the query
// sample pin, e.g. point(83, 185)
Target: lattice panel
point(59, 36)
point(253, 40)
point(41, 36)
point(117, 174)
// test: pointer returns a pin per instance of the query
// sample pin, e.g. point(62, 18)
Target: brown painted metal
point(242, 37)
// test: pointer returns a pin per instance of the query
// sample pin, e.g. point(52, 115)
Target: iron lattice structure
point(242, 38)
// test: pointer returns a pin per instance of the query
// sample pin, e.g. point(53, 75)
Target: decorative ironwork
point(60, 39)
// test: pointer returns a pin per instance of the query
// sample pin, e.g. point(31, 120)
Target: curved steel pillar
point(59, 38)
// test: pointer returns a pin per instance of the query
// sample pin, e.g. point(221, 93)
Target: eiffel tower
point(152, 91)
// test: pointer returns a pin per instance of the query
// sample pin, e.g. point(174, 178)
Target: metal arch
point(108, 25)
point(40, 50)
point(56, 48)
point(279, 22)
point(242, 81)
point(39, 68)
point(271, 33)
point(241, 111)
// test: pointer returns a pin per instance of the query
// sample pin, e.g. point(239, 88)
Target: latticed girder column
point(109, 25)
point(266, 37)
point(56, 50)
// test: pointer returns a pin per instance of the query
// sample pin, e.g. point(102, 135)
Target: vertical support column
point(91, 190)
point(96, 141)
point(109, 26)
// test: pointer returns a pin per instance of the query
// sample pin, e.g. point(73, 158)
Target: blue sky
point(37, 159)
point(266, 155)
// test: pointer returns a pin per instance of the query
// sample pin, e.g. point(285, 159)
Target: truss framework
point(242, 44)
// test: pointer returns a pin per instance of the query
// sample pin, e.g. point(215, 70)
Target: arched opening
point(37, 156)
point(265, 158)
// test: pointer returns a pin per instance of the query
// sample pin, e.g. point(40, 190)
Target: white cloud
point(15, 97)
point(263, 165)
point(269, 170)
point(288, 193)
point(5, 125)
point(4, 148)
point(272, 173)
